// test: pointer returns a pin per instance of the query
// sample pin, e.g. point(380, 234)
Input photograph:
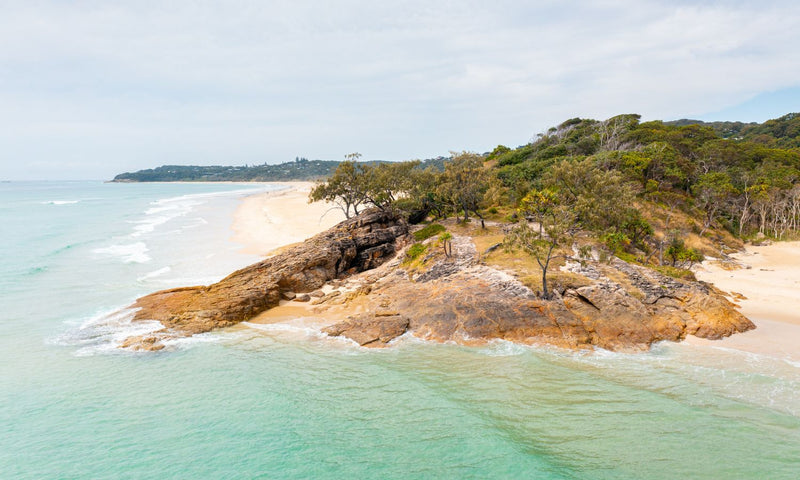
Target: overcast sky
point(90, 89)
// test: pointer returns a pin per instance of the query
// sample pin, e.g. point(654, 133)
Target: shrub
point(428, 232)
point(674, 272)
point(414, 251)
point(681, 255)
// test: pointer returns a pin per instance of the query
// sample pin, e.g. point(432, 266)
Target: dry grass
point(712, 243)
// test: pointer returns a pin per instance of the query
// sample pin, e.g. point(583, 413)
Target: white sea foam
point(154, 274)
point(298, 326)
point(504, 348)
point(105, 332)
point(128, 253)
point(60, 202)
point(166, 209)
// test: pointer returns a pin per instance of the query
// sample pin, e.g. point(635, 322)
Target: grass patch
point(415, 251)
point(679, 273)
point(428, 231)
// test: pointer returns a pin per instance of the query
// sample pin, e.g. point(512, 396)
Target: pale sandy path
point(772, 289)
point(266, 221)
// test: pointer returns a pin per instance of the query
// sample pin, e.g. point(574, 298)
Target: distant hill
point(782, 132)
point(299, 170)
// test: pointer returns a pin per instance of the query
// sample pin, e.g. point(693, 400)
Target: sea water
point(284, 401)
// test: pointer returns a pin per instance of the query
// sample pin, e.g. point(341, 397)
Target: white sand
point(267, 221)
point(772, 289)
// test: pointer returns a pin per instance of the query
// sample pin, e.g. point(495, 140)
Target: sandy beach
point(267, 221)
point(768, 291)
point(767, 288)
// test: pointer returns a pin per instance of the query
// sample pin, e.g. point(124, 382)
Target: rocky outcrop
point(353, 246)
point(370, 330)
point(459, 299)
point(614, 305)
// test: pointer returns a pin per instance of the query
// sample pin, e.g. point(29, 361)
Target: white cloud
point(133, 86)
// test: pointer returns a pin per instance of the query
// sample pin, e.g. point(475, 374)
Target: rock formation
point(615, 305)
point(355, 245)
point(458, 299)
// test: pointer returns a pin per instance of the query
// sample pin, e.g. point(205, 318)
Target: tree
point(599, 198)
point(682, 257)
point(464, 182)
point(385, 182)
point(345, 188)
point(557, 222)
point(712, 191)
point(447, 245)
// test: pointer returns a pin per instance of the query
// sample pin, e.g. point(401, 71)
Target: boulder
point(352, 246)
point(369, 330)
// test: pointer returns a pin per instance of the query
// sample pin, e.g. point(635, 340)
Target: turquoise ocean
point(284, 401)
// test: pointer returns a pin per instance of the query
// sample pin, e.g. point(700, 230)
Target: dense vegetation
point(655, 193)
point(301, 169)
point(783, 132)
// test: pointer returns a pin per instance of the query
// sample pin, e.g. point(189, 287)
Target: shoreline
point(268, 221)
point(766, 290)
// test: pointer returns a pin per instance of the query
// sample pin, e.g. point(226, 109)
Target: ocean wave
point(299, 326)
point(163, 210)
point(153, 274)
point(60, 202)
point(128, 253)
point(104, 332)
point(504, 348)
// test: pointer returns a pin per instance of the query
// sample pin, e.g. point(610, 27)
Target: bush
point(616, 242)
point(414, 251)
point(681, 255)
point(674, 272)
point(428, 232)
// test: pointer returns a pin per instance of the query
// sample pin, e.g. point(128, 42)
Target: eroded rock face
point(457, 299)
point(353, 246)
point(619, 306)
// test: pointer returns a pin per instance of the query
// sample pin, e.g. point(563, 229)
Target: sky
point(89, 89)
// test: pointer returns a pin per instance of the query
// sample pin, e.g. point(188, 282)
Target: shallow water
point(283, 401)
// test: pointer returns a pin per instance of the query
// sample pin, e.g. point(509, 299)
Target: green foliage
point(428, 231)
point(599, 198)
point(616, 242)
point(302, 169)
point(513, 157)
point(636, 228)
point(415, 251)
point(463, 184)
point(497, 152)
point(556, 223)
point(445, 240)
point(682, 256)
point(675, 272)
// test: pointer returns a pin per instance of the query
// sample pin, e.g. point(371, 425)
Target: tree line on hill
point(301, 169)
point(639, 188)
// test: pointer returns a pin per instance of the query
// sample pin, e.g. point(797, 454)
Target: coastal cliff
point(355, 245)
point(376, 296)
